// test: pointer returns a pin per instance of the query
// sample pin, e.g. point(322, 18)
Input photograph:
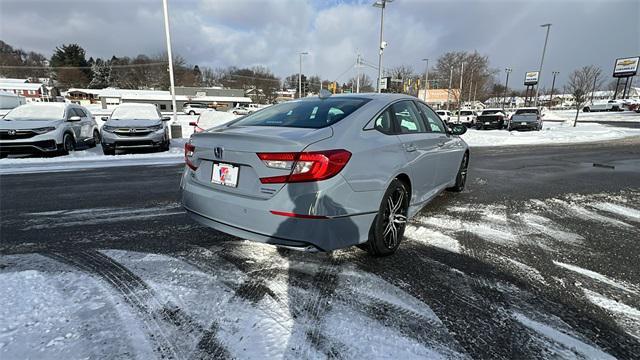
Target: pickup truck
point(610, 105)
point(445, 115)
point(467, 117)
point(491, 119)
point(525, 119)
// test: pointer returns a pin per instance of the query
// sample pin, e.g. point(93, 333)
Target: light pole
point(381, 4)
point(506, 86)
point(553, 84)
point(544, 49)
point(358, 74)
point(460, 93)
point(300, 75)
point(167, 34)
point(450, 82)
point(470, 85)
point(426, 79)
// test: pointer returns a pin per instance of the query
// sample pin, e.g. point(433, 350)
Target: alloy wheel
point(394, 218)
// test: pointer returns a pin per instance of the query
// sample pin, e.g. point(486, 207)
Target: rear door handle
point(410, 148)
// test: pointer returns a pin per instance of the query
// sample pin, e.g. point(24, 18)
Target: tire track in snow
point(163, 321)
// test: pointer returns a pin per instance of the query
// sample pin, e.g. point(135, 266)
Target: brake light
point(305, 166)
point(189, 149)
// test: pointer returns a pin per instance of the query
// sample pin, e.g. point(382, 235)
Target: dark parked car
point(491, 119)
point(525, 119)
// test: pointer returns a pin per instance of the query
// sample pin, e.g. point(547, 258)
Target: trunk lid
point(240, 145)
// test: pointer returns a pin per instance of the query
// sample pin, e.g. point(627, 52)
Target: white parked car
point(241, 110)
point(210, 119)
point(47, 128)
point(467, 117)
point(445, 115)
point(194, 108)
point(609, 105)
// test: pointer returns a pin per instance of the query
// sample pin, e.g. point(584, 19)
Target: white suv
point(47, 128)
point(194, 108)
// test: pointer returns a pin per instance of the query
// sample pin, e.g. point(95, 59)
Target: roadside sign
point(626, 67)
point(384, 83)
point(531, 78)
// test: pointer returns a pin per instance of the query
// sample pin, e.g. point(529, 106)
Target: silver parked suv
point(135, 126)
point(47, 128)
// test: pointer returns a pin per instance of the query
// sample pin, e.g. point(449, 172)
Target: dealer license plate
point(225, 174)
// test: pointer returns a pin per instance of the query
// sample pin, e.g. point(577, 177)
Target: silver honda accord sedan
point(324, 173)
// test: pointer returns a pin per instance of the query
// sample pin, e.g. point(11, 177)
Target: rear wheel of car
point(235, 113)
point(68, 144)
point(192, 112)
point(388, 227)
point(96, 138)
point(461, 178)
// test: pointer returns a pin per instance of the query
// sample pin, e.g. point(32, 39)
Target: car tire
point(108, 150)
point(478, 127)
point(165, 146)
point(68, 144)
point(461, 177)
point(586, 109)
point(235, 113)
point(192, 112)
point(96, 139)
point(385, 236)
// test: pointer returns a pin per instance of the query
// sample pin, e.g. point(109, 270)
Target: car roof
point(138, 105)
point(528, 108)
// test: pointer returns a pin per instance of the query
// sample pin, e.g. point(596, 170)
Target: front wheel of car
point(68, 144)
point(108, 150)
point(461, 177)
point(96, 138)
point(192, 112)
point(388, 226)
point(165, 146)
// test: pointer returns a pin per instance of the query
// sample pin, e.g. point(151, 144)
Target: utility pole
point(470, 85)
point(506, 86)
point(544, 49)
point(381, 4)
point(593, 91)
point(553, 83)
point(300, 75)
point(475, 91)
point(460, 93)
point(358, 74)
point(426, 79)
point(450, 81)
point(167, 33)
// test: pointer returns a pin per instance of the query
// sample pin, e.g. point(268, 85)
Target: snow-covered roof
point(96, 92)
point(20, 86)
point(13, 80)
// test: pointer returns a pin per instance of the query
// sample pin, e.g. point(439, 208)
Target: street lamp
point(167, 34)
point(553, 83)
point(506, 86)
point(381, 4)
point(300, 74)
point(426, 79)
point(450, 82)
point(544, 49)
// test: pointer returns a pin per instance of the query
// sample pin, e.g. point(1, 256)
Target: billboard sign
point(384, 83)
point(531, 78)
point(626, 67)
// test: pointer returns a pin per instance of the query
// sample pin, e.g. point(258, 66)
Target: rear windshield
point(314, 114)
point(466, 113)
point(526, 111)
point(489, 112)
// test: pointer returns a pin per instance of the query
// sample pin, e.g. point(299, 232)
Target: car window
point(384, 122)
point(79, 112)
point(434, 123)
point(408, 119)
point(71, 112)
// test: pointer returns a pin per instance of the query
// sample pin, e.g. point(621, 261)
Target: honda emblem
point(11, 132)
point(217, 152)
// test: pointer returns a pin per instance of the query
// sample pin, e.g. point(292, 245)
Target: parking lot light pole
point(426, 79)
point(450, 82)
point(170, 55)
point(300, 75)
point(381, 4)
point(460, 93)
point(553, 84)
point(544, 49)
point(506, 86)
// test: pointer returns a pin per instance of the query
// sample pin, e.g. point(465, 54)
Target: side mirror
point(166, 118)
point(193, 123)
point(75, 118)
point(104, 118)
point(458, 129)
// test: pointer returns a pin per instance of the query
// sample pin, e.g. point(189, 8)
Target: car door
point(449, 148)
point(420, 148)
point(85, 124)
point(75, 126)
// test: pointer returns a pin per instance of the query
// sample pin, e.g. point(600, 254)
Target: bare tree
point(580, 83)
point(478, 76)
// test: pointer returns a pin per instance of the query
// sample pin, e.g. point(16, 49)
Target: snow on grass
point(597, 276)
point(432, 238)
point(50, 312)
point(551, 134)
point(627, 212)
point(602, 116)
point(626, 316)
point(567, 346)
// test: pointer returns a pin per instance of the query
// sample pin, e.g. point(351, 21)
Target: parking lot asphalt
point(536, 259)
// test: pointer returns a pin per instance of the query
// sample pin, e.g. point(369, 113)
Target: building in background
point(32, 92)
point(221, 99)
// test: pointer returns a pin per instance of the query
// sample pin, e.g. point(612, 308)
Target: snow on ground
point(603, 116)
point(598, 277)
point(626, 316)
point(553, 133)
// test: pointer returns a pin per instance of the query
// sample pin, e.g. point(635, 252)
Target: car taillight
point(189, 149)
point(305, 166)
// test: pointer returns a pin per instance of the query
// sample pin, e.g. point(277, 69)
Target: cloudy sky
point(272, 32)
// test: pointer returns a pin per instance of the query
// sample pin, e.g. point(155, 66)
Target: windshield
point(489, 112)
point(526, 111)
point(466, 113)
point(135, 113)
point(36, 112)
point(315, 114)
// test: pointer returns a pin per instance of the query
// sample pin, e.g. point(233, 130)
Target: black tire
point(96, 139)
point(586, 109)
point(385, 235)
point(165, 146)
point(192, 112)
point(509, 128)
point(108, 150)
point(68, 144)
point(479, 127)
point(461, 178)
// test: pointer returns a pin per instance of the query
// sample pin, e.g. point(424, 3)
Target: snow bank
point(603, 116)
point(552, 133)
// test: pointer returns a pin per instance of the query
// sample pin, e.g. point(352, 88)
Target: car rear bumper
point(528, 126)
point(332, 228)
